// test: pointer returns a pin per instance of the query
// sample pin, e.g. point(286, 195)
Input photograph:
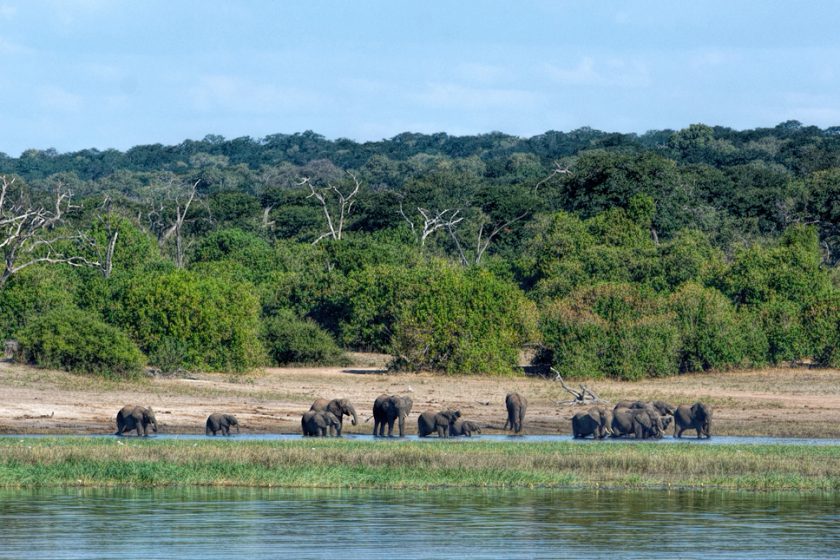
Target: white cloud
point(610, 72)
point(227, 92)
point(59, 99)
point(472, 98)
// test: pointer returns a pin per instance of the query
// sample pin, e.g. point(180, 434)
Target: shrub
point(291, 340)
point(461, 321)
point(68, 338)
point(611, 330)
point(781, 322)
point(822, 323)
point(31, 293)
point(214, 320)
point(709, 330)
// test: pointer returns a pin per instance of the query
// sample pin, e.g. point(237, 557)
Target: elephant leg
point(226, 430)
point(441, 432)
point(391, 427)
point(402, 425)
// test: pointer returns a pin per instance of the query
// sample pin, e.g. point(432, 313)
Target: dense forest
point(604, 254)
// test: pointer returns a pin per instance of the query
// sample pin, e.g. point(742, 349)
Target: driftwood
point(582, 397)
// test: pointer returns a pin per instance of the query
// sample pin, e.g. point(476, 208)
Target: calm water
point(252, 523)
point(687, 439)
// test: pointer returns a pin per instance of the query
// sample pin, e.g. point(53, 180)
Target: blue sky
point(103, 74)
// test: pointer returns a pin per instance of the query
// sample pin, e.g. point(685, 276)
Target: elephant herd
point(643, 420)
point(324, 417)
point(638, 419)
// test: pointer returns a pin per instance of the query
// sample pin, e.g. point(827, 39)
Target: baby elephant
point(318, 423)
point(464, 428)
point(440, 422)
point(695, 417)
point(218, 422)
point(132, 417)
point(595, 422)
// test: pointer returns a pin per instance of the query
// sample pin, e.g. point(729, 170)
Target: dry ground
point(773, 402)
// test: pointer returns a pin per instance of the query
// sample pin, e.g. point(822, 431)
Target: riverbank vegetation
point(45, 462)
point(610, 255)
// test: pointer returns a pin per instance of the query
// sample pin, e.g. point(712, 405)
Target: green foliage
point(31, 293)
point(291, 340)
point(710, 333)
point(781, 322)
point(68, 338)
point(822, 322)
point(610, 330)
point(215, 319)
point(789, 268)
point(461, 321)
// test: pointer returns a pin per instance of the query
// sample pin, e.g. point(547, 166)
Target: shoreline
point(315, 463)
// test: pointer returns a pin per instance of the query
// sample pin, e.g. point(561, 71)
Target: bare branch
point(345, 205)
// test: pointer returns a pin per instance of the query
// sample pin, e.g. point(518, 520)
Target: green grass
point(51, 462)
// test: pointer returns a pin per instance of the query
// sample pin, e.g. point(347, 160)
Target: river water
point(686, 439)
point(227, 523)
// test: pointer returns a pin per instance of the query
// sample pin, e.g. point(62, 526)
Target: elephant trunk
point(353, 413)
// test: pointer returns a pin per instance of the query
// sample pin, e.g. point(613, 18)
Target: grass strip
point(53, 462)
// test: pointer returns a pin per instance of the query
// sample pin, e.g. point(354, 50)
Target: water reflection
point(213, 523)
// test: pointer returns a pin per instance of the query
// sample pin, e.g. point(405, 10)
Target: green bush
point(710, 334)
point(31, 293)
point(610, 330)
point(214, 320)
point(822, 323)
point(68, 338)
point(461, 321)
point(781, 322)
point(291, 340)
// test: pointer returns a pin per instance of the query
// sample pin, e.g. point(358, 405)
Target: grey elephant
point(516, 405)
point(595, 422)
point(695, 417)
point(318, 423)
point(629, 404)
point(441, 422)
point(463, 427)
point(340, 408)
point(132, 417)
point(661, 407)
point(218, 422)
point(388, 409)
point(642, 423)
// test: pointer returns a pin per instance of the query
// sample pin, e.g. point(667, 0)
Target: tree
point(30, 233)
point(344, 202)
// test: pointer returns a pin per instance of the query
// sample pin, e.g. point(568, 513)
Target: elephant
point(695, 417)
point(440, 422)
point(218, 422)
point(594, 422)
point(386, 410)
point(641, 422)
point(339, 407)
point(463, 427)
point(132, 417)
point(661, 407)
point(516, 405)
point(629, 404)
point(318, 423)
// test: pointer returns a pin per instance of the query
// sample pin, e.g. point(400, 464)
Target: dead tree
point(29, 233)
point(169, 212)
point(432, 221)
point(584, 396)
point(335, 225)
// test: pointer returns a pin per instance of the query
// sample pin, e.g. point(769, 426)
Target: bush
point(291, 340)
point(213, 320)
point(781, 322)
point(611, 330)
point(710, 334)
point(31, 293)
point(70, 339)
point(822, 323)
point(461, 321)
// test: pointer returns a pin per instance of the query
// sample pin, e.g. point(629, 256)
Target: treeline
point(606, 254)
